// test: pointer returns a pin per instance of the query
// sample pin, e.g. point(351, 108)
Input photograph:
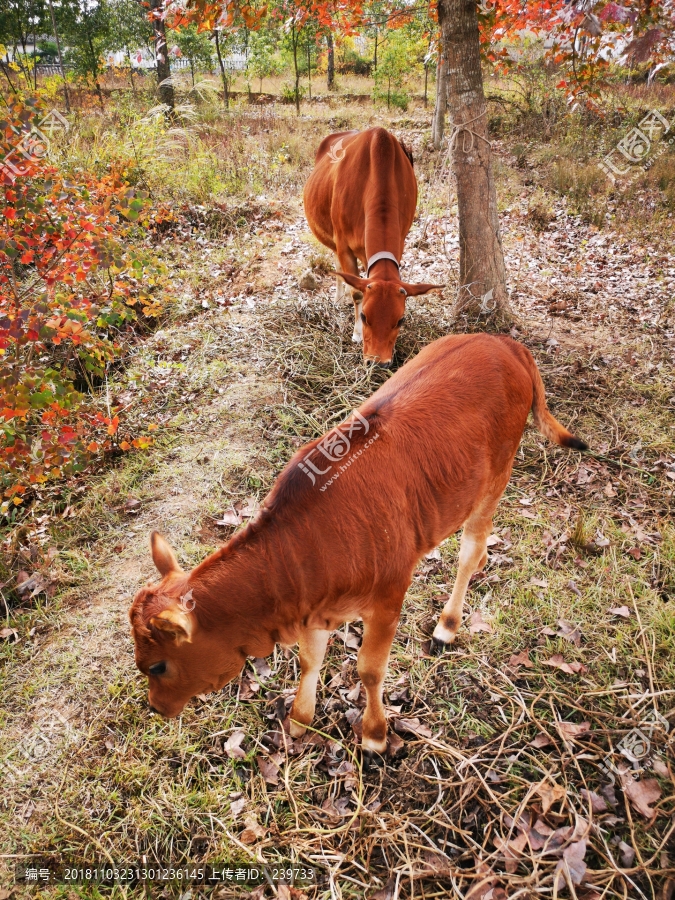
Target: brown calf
point(340, 534)
point(360, 202)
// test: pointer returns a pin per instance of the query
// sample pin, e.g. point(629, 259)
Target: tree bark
point(309, 68)
point(482, 298)
point(438, 122)
point(131, 75)
point(94, 62)
point(223, 74)
point(330, 74)
point(295, 37)
point(58, 47)
point(166, 94)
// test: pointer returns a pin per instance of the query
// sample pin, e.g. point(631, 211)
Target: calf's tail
point(545, 422)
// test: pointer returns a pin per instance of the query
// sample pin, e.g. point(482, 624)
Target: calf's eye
point(158, 668)
point(363, 319)
point(400, 322)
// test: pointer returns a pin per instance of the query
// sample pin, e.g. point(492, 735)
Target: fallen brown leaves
point(642, 794)
point(565, 630)
point(573, 668)
point(477, 623)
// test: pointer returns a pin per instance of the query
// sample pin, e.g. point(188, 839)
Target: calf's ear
point(359, 284)
point(162, 555)
point(175, 624)
point(414, 290)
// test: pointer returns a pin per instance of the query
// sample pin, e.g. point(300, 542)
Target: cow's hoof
point(437, 648)
point(296, 729)
point(372, 760)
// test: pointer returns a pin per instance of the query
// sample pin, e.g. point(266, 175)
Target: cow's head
point(174, 645)
point(380, 308)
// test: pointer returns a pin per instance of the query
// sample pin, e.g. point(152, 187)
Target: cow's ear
point(162, 555)
point(359, 284)
point(174, 623)
point(414, 290)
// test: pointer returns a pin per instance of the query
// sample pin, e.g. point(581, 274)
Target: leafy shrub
point(288, 92)
point(352, 63)
point(71, 284)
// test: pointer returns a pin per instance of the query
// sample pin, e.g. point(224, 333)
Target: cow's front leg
point(378, 635)
point(312, 645)
point(357, 336)
point(339, 283)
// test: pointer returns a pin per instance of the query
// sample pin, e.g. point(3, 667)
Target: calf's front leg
point(312, 645)
point(378, 635)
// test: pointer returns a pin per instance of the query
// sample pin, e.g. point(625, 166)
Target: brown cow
point(360, 202)
point(340, 534)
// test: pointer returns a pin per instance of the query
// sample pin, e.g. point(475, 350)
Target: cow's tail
point(545, 422)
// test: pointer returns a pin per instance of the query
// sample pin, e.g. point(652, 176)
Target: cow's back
point(360, 177)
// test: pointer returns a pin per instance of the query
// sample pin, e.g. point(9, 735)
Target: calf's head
point(174, 645)
point(381, 307)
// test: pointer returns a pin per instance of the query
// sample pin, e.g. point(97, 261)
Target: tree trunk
point(482, 298)
point(6, 74)
point(377, 34)
point(330, 75)
point(166, 94)
point(131, 75)
point(94, 62)
point(192, 71)
point(295, 39)
point(426, 82)
point(58, 47)
point(309, 68)
point(438, 122)
point(222, 71)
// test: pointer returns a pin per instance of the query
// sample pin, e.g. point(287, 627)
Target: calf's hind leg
point(312, 646)
point(472, 558)
point(378, 634)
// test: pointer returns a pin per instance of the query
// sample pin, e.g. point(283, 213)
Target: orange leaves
point(64, 231)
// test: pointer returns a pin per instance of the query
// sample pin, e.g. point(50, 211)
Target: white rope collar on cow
point(383, 254)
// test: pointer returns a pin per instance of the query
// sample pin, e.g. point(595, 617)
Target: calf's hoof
point(296, 729)
point(372, 760)
point(437, 647)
